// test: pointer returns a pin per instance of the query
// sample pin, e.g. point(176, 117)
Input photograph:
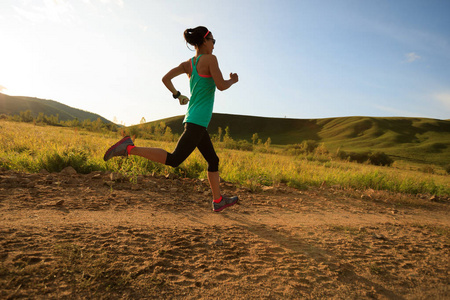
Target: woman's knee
point(173, 160)
point(213, 164)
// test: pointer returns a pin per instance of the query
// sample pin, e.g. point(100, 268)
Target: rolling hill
point(414, 139)
point(13, 105)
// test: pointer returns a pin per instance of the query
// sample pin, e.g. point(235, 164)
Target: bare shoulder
point(186, 65)
point(211, 59)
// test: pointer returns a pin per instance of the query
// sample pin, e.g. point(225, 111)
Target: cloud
point(186, 21)
point(58, 11)
point(2, 88)
point(395, 111)
point(444, 99)
point(411, 57)
point(29, 15)
point(118, 2)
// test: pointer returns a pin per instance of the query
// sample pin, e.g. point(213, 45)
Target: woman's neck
point(200, 51)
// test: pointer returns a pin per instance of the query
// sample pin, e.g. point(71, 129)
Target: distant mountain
point(409, 138)
point(13, 105)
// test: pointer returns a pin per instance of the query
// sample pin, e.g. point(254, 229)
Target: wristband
point(178, 94)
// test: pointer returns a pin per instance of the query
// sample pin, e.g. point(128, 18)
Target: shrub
point(447, 169)
point(244, 145)
point(192, 169)
point(26, 116)
point(134, 131)
point(309, 145)
point(377, 158)
point(294, 149)
point(380, 159)
point(427, 169)
point(78, 159)
point(306, 147)
point(321, 149)
point(354, 156)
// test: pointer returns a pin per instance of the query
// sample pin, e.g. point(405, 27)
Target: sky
point(302, 59)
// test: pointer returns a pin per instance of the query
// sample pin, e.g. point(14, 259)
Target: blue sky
point(295, 59)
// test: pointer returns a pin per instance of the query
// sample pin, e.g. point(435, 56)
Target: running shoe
point(224, 203)
point(119, 148)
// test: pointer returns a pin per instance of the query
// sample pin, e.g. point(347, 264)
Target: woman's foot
point(119, 148)
point(224, 202)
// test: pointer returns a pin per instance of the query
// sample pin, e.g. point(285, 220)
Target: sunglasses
point(213, 40)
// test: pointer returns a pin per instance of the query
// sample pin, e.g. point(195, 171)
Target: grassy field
point(29, 148)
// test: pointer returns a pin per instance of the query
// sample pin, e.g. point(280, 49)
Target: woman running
point(204, 76)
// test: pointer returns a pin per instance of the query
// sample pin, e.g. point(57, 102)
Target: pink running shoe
point(119, 148)
point(224, 203)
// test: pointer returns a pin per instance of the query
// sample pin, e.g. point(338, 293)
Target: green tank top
point(202, 97)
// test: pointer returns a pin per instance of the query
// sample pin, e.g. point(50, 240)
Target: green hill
point(414, 139)
point(13, 105)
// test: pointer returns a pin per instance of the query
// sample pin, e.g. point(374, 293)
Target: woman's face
point(210, 41)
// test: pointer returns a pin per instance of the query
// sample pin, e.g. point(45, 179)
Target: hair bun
point(195, 36)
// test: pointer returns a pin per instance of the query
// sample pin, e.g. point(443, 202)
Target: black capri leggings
point(194, 136)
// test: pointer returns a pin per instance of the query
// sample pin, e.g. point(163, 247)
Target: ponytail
point(196, 36)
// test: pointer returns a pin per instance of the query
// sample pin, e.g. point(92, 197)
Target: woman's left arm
point(181, 69)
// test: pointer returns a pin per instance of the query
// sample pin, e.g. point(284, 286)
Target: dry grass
point(29, 148)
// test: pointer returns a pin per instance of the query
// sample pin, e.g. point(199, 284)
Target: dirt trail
point(68, 235)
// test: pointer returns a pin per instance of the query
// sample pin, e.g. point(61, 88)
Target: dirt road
point(70, 236)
